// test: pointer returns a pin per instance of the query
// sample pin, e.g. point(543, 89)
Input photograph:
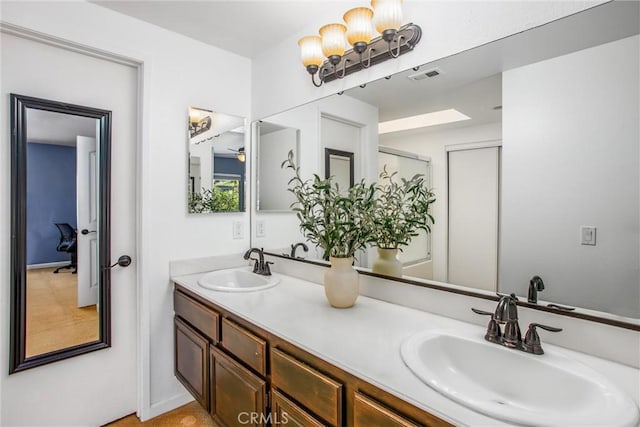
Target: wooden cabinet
point(316, 391)
point(232, 366)
point(244, 345)
point(198, 315)
point(285, 412)
point(238, 397)
point(367, 412)
point(192, 361)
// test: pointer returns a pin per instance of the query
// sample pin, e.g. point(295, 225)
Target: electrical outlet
point(588, 235)
point(238, 230)
point(261, 228)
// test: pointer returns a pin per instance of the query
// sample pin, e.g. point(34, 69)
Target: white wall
point(272, 179)
point(280, 81)
point(171, 83)
point(571, 124)
point(431, 143)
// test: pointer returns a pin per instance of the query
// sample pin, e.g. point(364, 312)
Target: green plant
point(401, 209)
point(338, 223)
point(196, 202)
point(223, 197)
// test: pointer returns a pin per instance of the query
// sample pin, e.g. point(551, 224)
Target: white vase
point(387, 263)
point(341, 282)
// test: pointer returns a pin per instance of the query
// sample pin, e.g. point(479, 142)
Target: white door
point(98, 387)
point(87, 217)
point(473, 217)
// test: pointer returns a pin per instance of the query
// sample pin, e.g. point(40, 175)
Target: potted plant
point(340, 224)
point(401, 210)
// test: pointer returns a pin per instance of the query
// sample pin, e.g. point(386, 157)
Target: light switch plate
point(261, 228)
point(238, 230)
point(588, 235)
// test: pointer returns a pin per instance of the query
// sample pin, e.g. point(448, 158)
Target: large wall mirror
point(60, 294)
point(216, 181)
point(532, 146)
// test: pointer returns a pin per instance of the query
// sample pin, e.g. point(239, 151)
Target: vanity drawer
point(314, 390)
point(247, 347)
point(284, 411)
point(199, 316)
point(368, 412)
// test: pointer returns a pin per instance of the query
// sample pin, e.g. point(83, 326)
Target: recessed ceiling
point(243, 27)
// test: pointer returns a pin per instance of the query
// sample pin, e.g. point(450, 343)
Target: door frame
point(143, 63)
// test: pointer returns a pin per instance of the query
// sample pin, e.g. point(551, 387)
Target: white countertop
point(365, 340)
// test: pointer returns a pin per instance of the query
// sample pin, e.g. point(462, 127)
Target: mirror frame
point(18, 361)
point(346, 155)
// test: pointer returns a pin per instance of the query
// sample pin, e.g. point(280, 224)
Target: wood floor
point(53, 319)
point(189, 415)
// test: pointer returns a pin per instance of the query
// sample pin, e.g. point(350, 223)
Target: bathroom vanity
point(283, 354)
point(236, 369)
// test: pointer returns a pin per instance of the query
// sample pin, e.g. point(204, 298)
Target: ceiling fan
point(240, 153)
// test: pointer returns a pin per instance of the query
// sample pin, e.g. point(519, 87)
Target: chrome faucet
point(535, 285)
point(296, 246)
point(260, 267)
point(503, 328)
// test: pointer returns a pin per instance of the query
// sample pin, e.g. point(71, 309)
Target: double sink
point(510, 385)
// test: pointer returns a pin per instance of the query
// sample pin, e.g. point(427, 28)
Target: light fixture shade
point(359, 29)
point(311, 50)
point(241, 156)
point(387, 14)
point(333, 39)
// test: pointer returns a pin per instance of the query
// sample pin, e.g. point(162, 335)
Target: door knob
point(85, 231)
point(123, 261)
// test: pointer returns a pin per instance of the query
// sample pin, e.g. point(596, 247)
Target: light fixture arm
point(397, 51)
point(344, 69)
point(313, 80)
point(368, 63)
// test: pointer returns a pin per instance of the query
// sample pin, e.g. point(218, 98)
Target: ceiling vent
point(426, 74)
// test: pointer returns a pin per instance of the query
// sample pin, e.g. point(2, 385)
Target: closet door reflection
point(60, 229)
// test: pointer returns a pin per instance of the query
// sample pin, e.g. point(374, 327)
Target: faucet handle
point(531, 342)
point(481, 312)
point(493, 330)
point(267, 270)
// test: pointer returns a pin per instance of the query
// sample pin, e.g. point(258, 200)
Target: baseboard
point(47, 265)
point(165, 406)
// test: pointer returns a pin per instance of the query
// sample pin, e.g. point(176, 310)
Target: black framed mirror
point(339, 165)
point(60, 228)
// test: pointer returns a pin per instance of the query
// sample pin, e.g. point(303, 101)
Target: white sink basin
point(514, 386)
point(237, 280)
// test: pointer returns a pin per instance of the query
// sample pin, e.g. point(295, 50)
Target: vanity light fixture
point(325, 54)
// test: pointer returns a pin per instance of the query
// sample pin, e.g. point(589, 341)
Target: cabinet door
point(367, 412)
point(284, 411)
point(238, 397)
point(192, 361)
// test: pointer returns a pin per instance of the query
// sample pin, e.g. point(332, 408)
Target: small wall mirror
point(60, 174)
point(273, 145)
point(339, 165)
point(216, 181)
